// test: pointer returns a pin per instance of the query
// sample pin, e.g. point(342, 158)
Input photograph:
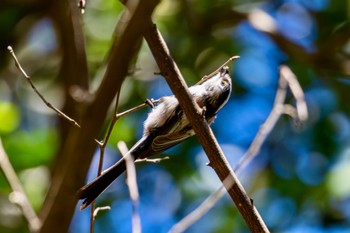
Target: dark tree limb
point(216, 157)
point(73, 72)
point(61, 201)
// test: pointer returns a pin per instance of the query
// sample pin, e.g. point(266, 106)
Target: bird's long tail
point(93, 189)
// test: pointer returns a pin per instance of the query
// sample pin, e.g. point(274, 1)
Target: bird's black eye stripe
point(224, 70)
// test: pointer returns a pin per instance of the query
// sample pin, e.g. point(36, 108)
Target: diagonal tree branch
point(216, 157)
point(287, 79)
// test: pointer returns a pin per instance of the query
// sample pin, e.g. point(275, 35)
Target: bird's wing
point(164, 142)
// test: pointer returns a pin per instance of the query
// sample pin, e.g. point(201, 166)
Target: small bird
point(166, 126)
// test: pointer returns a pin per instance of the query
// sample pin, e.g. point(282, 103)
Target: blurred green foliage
point(9, 116)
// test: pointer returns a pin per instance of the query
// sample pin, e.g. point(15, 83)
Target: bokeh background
point(300, 179)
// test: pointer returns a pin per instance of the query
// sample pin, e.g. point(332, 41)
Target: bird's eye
point(224, 83)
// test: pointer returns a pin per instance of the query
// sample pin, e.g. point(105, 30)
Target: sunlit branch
point(208, 76)
point(99, 209)
point(201, 210)
point(297, 91)
point(148, 103)
point(287, 79)
point(18, 195)
point(102, 146)
point(132, 185)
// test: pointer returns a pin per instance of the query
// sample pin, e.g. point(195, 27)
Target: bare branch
point(148, 103)
point(267, 127)
point(103, 145)
point(287, 79)
point(98, 209)
point(18, 195)
point(132, 184)
point(206, 77)
point(199, 212)
point(60, 113)
point(262, 21)
point(216, 157)
point(297, 91)
point(49, 105)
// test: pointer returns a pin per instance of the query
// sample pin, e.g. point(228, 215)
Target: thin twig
point(98, 209)
point(132, 185)
point(297, 91)
point(48, 104)
point(267, 127)
point(206, 77)
point(202, 209)
point(287, 79)
point(93, 215)
point(102, 146)
point(18, 195)
point(148, 103)
point(199, 212)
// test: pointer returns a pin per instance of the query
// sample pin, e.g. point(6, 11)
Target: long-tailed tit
point(166, 126)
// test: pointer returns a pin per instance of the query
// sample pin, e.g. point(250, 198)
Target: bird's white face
point(215, 91)
point(212, 95)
